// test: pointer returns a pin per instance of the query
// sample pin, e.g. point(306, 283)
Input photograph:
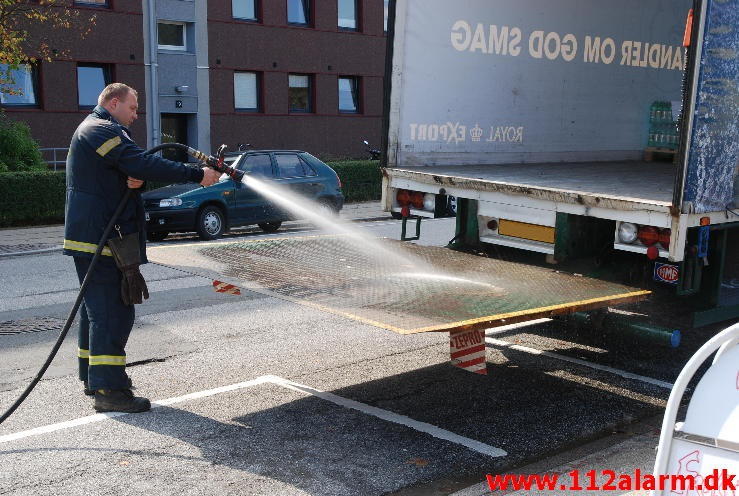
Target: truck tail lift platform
point(332, 274)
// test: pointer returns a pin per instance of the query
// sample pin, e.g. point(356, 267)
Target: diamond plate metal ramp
point(445, 291)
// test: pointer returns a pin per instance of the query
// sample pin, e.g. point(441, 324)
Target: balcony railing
point(56, 158)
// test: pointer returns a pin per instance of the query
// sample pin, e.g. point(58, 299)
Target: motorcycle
point(374, 153)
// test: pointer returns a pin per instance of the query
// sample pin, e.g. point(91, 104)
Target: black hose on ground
point(78, 301)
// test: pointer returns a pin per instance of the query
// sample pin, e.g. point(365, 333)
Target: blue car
point(212, 211)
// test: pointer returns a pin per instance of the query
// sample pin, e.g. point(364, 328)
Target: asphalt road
point(317, 404)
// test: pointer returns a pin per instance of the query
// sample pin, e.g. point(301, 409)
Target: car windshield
point(232, 159)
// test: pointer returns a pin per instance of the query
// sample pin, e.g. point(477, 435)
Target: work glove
point(127, 257)
point(133, 286)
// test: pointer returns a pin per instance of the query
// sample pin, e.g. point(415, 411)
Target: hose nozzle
point(218, 164)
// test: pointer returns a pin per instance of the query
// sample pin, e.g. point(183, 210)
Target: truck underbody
point(580, 203)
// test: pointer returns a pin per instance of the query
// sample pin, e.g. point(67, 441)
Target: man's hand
point(134, 183)
point(210, 177)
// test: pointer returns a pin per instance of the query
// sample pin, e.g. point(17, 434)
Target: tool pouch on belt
point(128, 258)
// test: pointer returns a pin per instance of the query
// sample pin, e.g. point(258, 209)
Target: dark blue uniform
point(101, 157)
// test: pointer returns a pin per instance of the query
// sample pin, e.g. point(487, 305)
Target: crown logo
point(476, 132)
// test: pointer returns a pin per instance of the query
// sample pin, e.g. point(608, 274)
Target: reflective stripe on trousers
point(105, 324)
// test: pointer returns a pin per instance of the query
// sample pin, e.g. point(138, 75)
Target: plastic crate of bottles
point(663, 132)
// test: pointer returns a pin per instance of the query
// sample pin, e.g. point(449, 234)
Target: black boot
point(91, 392)
point(120, 400)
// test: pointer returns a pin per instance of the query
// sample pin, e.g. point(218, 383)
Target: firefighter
point(104, 161)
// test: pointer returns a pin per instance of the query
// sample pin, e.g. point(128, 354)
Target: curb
point(59, 248)
point(371, 219)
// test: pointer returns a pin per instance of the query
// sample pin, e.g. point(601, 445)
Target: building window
point(246, 91)
point(299, 93)
point(387, 9)
point(171, 35)
point(18, 86)
point(91, 79)
point(348, 95)
point(244, 9)
point(348, 14)
point(298, 12)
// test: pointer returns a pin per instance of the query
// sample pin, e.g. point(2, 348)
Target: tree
point(18, 46)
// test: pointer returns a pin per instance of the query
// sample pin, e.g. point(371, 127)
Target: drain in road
point(27, 326)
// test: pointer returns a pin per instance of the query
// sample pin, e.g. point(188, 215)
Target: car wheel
point(327, 209)
point(211, 223)
point(157, 236)
point(270, 227)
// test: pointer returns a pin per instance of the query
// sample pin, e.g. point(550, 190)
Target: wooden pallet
point(653, 154)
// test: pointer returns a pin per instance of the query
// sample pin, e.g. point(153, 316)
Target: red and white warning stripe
point(222, 287)
point(467, 350)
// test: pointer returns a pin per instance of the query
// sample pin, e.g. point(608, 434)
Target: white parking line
point(279, 381)
point(503, 329)
point(604, 368)
point(396, 418)
point(91, 419)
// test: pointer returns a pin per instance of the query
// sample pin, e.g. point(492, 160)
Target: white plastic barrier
point(708, 440)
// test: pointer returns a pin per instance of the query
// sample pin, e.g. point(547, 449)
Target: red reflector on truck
point(688, 29)
point(664, 238)
point(403, 197)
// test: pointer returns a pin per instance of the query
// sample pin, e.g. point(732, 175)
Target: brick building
point(57, 96)
point(304, 74)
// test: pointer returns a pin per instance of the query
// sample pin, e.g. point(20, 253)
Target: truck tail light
point(403, 197)
point(648, 235)
point(417, 199)
point(627, 232)
point(429, 202)
point(664, 238)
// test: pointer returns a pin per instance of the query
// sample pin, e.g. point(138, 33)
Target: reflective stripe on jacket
point(101, 158)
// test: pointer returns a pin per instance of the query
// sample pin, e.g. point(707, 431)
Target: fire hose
point(215, 162)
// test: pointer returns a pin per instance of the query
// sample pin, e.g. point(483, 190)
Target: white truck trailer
point(574, 129)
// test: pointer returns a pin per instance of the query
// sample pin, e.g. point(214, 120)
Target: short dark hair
point(115, 90)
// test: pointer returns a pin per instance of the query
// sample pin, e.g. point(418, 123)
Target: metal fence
point(56, 158)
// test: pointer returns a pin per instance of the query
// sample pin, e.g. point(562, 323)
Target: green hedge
point(31, 198)
point(35, 198)
point(18, 150)
point(361, 179)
